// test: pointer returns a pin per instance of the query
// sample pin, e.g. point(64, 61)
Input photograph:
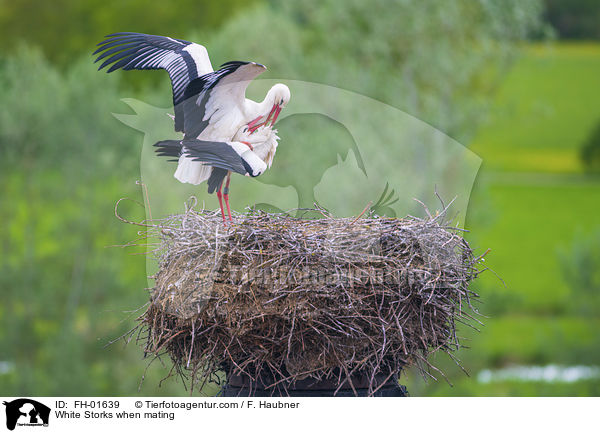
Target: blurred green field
point(532, 220)
point(544, 110)
point(530, 203)
point(518, 339)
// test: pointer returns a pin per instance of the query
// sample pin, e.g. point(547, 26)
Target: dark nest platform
point(289, 306)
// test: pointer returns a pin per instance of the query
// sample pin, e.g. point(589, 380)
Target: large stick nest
point(283, 298)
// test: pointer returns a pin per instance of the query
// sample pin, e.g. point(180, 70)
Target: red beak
point(253, 123)
point(274, 113)
point(277, 111)
point(273, 109)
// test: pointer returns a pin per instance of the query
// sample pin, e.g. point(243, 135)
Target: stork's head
point(279, 95)
point(277, 98)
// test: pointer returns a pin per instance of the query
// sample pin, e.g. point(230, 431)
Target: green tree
point(439, 61)
point(574, 19)
point(66, 29)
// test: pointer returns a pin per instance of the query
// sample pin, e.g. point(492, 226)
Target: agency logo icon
point(26, 412)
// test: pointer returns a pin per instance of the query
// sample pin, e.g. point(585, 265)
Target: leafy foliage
point(426, 58)
point(66, 29)
point(55, 119)
point(64, 161)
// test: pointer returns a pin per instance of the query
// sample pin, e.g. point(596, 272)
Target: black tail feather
point(169, 148)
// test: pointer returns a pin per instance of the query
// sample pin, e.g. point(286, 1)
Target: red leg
point(226, 196)
point(220, 197)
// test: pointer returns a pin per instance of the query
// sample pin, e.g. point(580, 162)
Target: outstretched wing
point(183, 60)
point(208, 98)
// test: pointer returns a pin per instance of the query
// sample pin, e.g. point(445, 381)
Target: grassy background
point(544, 110)
point(532, 201)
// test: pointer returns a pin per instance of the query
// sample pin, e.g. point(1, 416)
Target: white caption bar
point(149, 414)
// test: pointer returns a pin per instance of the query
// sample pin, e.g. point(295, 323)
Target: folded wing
point(208, 98)
point(229, 156)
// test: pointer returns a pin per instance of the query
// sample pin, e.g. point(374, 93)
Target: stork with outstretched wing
point(223, 131)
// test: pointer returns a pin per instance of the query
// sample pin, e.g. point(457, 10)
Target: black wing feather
point(214, 153)
point(170, 148)
point(132, 47)
point(130, 50)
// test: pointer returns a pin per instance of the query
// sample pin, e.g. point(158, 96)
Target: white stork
point(239, 155)
point(223, 131)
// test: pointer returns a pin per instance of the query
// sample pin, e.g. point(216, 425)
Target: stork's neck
point(267, 103)
point(255, 109)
